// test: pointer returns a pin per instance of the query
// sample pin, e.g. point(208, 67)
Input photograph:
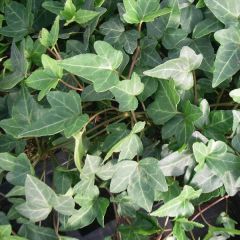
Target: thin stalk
point(70, 86)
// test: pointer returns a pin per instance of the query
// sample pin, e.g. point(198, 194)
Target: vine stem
point(136, 54)
point(225, 104)
point(209, 206)
point(70, 86)
point(57, 55)
point(195, 88)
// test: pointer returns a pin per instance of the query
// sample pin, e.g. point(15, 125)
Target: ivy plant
point(119, 110)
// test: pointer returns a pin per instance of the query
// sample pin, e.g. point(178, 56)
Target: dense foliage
point(143, 97)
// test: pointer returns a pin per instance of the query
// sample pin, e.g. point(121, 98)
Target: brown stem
point(226, 104)
point(208, 207)
point(136, 54)
point(195, 88)
point(202, 216)
point(70, 86)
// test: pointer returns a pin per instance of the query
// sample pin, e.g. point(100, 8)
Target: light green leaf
point(64, 204)
point(165, 103)
point(126, 91)
point(140, 180)
point(49, 39)
point(24, 113)
point(38, 200)
point(176, 163)
point(213, 150)
point(47, 78)
point(227, 11)
point(179, 69)
point(235, 95)
point(84, 16)
point(206, 180)
point(100, 69)
point(18, 167)
point(139, 11)
point(179, 206)
point(69, 10)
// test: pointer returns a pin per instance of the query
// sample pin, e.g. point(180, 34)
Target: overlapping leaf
point(98, 68)
point(179, 69)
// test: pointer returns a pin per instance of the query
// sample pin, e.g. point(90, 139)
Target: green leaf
point(126, 91)
point(172, 38)
point(24, 113)
point(17, 167)
point(100, 69)
point(227, 11)
point(129, 146)
point(140, 180)
point(65, 115)
point(207, 26)
point(19, 65)
point(176, 163)
point(46, 79)
point(84, 16)
point(31, 231)
point(38, 200)
point(138, 11)
point(182, 125)
point(179, 69)
point(19, 21)
point(115, 33)
point(49, 39)
point(69, 10)
point(206, 180)
point(165, 103)
point(53, 6)
point(179, 206)
point(228, 55)
point(220, 123)
point(213, 150)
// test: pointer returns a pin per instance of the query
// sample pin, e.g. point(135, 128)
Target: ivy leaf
point(19, 65)
point(24, 113)
point(138, 11)
point(165, 104)
point(235, 95)
point(65, 115)
point(19, 21)
point(220, 122)
point(179, 69)
point(207, 26)
point(226, 11)
point(129, 146)
point(126, 91)
point(213, 150)
point(17, 167)
point(49, 39)
point(180, 206)
point(31, 231)
point(182, 125)
point(206, 180)
point(98, 68)
point(115, 33)
point(138, 178)
point(46, 79)
point(228, 55)
point(38, 200)
point(176, 163)
point(83, 16)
